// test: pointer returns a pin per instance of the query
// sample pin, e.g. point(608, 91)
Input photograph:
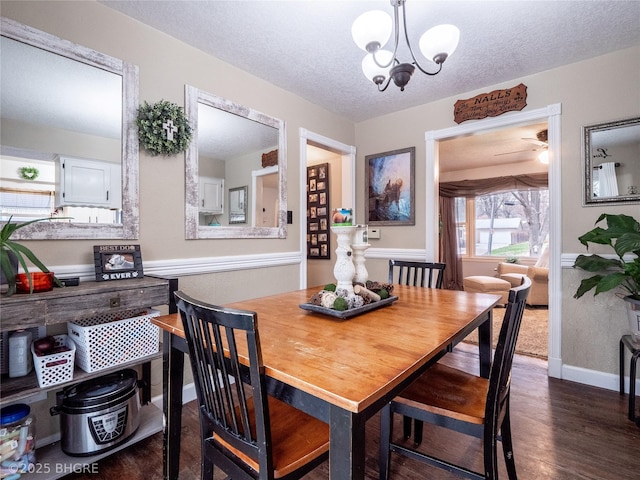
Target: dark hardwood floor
point(562, 430)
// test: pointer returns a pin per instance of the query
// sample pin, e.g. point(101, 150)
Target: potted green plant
point(13, 253)
point(623, 235)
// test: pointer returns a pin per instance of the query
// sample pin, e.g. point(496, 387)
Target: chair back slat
point(500, 375)
point(417, 274)
point(222, 380)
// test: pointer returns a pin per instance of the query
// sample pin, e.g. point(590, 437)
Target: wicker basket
point(57, 367)
point(114, 338)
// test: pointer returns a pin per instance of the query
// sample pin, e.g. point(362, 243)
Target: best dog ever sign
point(117, 262)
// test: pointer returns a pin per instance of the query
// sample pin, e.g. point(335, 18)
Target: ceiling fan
point(541, 142)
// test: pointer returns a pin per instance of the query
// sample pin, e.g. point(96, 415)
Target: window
point(25, 205)
point(506, 224)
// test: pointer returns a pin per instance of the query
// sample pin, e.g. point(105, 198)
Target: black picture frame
point(390, 188)
point(318, 211)
point(117, 262)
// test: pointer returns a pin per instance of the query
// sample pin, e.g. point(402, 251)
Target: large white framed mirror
point(612, 162)
point(68, 113)
point(225, 154)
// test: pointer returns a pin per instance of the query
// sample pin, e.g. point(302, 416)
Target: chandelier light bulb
point(372, 30)
point(439, 43)
point(373, 71)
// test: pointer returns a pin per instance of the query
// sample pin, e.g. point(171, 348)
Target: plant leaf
point(596, 263)
point(597, 235)
point(586, 285)
point(609, 282)
point(21, 249)
point(628, 242)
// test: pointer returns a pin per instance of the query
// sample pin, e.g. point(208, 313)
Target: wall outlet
point(373, 233)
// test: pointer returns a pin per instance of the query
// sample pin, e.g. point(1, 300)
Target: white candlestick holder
point(344, 269)
point(361, 275)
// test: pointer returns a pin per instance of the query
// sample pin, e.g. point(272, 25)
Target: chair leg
point(507, 446)
point(417, 431)
point(206, 469)
point(406, 427)
point(490, 453)
point(386, 430)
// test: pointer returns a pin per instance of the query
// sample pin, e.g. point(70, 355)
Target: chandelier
point(372, 30)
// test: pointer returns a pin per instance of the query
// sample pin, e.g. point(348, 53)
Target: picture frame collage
point(318, 212)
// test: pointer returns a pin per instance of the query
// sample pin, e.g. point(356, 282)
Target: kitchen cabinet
point(211, 195)
point(88, 183)
point(74, 303)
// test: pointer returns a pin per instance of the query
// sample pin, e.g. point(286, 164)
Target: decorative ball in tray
point(341, 303)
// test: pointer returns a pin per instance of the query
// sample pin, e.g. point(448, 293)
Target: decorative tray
point(352, 312)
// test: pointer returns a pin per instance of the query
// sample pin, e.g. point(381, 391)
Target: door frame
point(551, 114)
point(348, 153)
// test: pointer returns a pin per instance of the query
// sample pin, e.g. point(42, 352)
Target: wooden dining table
point(341, 371)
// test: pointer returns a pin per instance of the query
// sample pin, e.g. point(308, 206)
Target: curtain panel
point(483, 186)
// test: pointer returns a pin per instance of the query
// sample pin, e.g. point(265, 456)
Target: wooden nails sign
point(491, 104)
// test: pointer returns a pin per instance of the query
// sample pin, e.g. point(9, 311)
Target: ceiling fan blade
point(517, 151)
point(535, 142)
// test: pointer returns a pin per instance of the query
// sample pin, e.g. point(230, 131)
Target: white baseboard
point(609, 381)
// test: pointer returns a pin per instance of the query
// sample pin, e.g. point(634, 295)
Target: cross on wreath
point(170, 128)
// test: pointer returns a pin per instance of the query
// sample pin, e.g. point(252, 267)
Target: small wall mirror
point(238, 205)
point(230, 144)
point(65, 102)
point(612, 162)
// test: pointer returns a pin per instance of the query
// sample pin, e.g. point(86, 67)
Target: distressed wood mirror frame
point(617, 143)
point(129, 228)
point(193, 230)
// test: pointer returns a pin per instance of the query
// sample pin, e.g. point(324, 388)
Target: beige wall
point(592, 91)
point(165, 66)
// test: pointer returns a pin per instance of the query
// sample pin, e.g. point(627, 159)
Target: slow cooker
point(98, 414)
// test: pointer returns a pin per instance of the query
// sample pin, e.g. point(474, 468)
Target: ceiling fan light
point(543, 157)
point(372, 71)
point(373, 27)
point(439, 43)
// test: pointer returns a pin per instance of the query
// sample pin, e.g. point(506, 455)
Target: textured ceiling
point(306, 47)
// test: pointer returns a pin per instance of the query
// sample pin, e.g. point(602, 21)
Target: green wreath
point(163, 128)
point(29, 173)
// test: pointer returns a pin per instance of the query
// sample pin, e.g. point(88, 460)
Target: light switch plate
point(373, 233)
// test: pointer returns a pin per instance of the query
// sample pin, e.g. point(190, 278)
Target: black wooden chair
point(418, 274)
point(457, 400)
point(245, 432)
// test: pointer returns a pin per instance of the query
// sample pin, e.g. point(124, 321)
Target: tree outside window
point(506, 224)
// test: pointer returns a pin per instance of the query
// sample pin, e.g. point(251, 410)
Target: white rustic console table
point(66, 304)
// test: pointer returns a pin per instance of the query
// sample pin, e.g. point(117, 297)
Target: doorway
point(550, 114)
point(317, 149)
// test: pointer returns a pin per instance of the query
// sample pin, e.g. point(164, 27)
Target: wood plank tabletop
point(352, 363)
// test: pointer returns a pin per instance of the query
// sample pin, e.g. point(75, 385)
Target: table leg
point(484, 345)
point(172, 373)
point(347, 445)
